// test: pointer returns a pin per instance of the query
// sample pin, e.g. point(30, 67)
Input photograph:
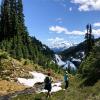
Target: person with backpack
point(47, 83)
point(66, 79)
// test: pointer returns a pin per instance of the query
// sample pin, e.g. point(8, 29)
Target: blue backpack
point(65, 77)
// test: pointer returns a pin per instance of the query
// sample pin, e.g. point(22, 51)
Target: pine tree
point(5, 19)
point(14, 37)
point(89, 39)
point(19, 53)
point(21, 25)
point(14, 17)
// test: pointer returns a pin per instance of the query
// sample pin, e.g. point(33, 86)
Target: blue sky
point(57, 21)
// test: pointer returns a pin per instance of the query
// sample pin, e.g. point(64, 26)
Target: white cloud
point(96, 32)
point(70, 9)
point(96, 24)
point(59, 29)
point(87, 5)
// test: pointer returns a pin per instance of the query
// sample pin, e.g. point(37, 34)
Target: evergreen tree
point(14, 18)
point(5, 19)
point(90, 67)
point(19, 48)
point(14, 36)
point(89, 39)
point(21, 25)
point(20, 12)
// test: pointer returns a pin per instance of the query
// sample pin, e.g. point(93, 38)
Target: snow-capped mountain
point(61, 46)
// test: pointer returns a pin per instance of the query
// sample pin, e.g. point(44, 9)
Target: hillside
point(90, 67)
point(76, 53)
point(72, 51)
point(11, 69)
point(14, 36)
point(72, 93)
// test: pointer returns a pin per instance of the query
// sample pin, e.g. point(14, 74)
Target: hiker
point(48, 81)
point(66, 79)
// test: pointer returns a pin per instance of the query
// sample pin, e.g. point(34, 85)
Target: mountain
point(71, 57)
point(61, 46)
point(73, 51)
point(88, 65)
point(75, 54)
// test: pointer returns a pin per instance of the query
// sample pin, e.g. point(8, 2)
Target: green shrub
point(3, 55)
point(90, 68)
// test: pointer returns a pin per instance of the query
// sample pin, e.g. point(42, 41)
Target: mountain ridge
point(59, 47)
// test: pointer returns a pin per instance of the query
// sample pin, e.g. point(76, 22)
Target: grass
point(74, 92)
point(7, 87)
point(11, 68)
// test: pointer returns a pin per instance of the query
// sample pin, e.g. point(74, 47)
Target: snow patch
point(44, 47)
point(83, 53)
point(39, 77)
point(70, 64)
point(55, 87)
point(65, 64)
point(59, 61)
point(78, 60)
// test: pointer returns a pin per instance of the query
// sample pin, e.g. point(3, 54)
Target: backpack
point(65, 77)
point(47, 80)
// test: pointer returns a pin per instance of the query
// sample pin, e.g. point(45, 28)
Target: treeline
point(14, 37)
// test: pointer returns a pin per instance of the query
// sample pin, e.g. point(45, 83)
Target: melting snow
point(55, 87)
point(59, 61)
point(78, 60)
point(39, 77)
point(83, 53)
point(65, 64)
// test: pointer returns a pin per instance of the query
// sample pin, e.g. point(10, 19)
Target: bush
point(3, 55)
point(26, 62)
